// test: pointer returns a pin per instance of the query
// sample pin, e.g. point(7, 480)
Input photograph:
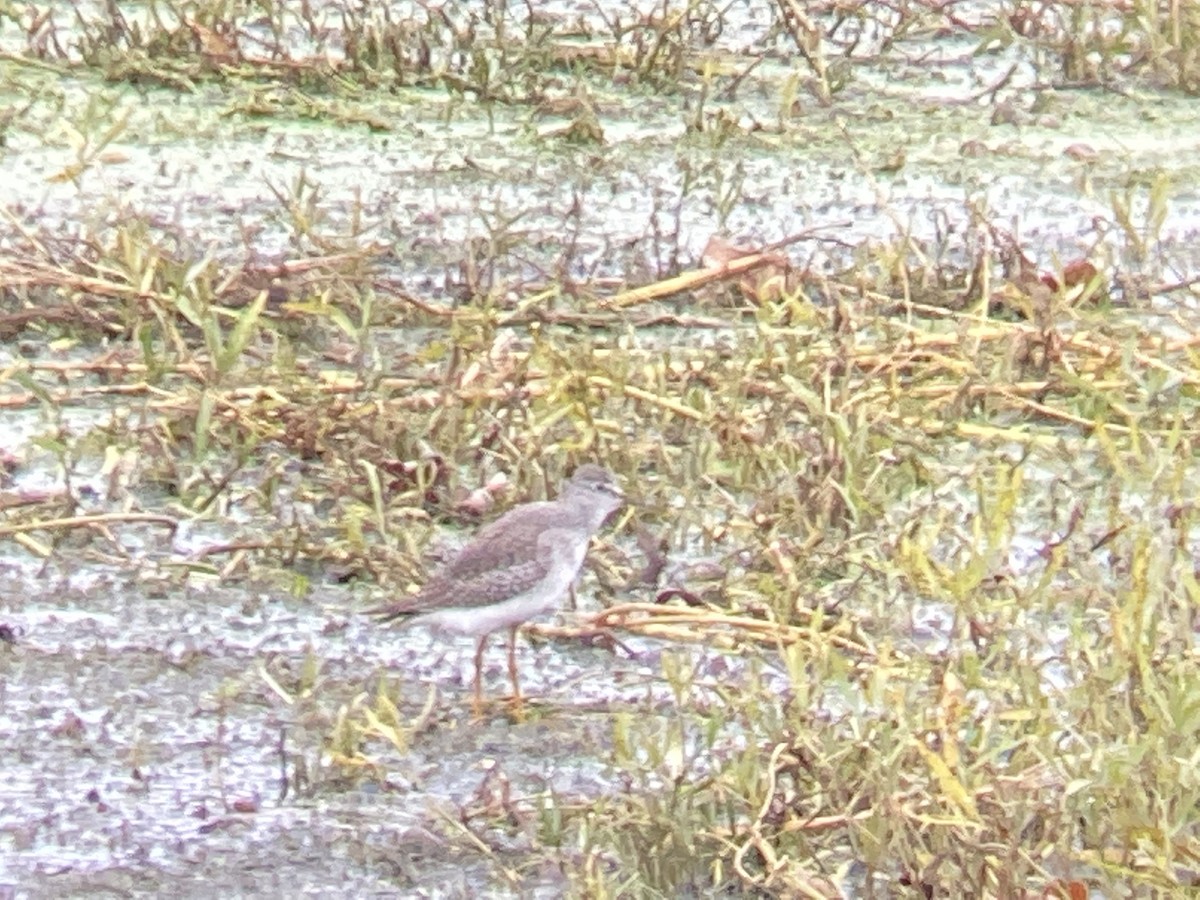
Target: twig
point(88, 521)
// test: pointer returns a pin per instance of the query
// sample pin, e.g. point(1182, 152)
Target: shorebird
point(518, 567)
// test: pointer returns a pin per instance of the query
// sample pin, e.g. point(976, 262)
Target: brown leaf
point(1065, 890)
point(1078, 272)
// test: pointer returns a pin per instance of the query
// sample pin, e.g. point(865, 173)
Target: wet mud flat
point(151, 749)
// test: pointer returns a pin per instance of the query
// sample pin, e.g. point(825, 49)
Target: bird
point(518, 567)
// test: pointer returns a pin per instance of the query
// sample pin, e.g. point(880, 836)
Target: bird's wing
point(509, 541)
point(483, 572)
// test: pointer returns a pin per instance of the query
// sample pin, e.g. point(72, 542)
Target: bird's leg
point(518, 709)
point(477, 702)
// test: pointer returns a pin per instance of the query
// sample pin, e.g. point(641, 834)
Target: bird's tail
point(391, 612)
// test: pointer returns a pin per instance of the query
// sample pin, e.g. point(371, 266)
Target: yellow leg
point(518, 708)
point(477, 701)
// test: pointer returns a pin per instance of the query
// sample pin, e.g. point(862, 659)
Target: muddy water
point(146, 751)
